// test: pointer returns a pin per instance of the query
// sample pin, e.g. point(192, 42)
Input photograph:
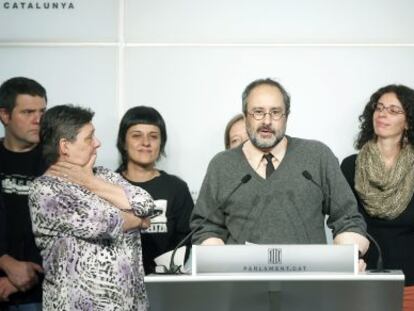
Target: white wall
point(192, 59)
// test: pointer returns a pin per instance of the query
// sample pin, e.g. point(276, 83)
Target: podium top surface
point(393, 275)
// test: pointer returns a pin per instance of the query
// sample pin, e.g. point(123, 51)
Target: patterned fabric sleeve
point(59, 208)
point(140, 200)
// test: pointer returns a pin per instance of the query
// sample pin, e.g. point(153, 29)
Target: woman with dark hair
point(86, 221)
point(235, 133)
point(382, 177)
point(141, 141)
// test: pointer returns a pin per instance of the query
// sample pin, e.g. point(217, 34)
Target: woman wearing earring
point(382, 177)
point(141, 141)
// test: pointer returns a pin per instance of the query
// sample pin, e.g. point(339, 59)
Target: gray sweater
point(287, 208)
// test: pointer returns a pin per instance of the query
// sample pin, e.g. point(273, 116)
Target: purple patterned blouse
point(89, 262)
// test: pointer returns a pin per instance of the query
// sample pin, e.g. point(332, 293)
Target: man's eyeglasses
point(393, 110)
point(260, 114)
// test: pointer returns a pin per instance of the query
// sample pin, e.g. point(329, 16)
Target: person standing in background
point(235, 133)
point(22, 104)
point(382, 178)
point(141, 141)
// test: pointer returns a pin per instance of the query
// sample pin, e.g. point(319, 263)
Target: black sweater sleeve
point(183, 208)
point(348, 169)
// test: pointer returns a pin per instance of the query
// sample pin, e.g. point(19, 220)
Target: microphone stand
point(176, 269)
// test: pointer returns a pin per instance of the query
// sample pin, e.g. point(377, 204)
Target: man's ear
point(4, 116)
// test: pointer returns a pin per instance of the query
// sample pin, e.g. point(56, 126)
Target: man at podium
point(274, 188)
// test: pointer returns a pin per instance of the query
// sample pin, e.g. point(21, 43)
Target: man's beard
point(265, 143)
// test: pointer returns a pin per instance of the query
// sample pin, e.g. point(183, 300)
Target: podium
point(276, 291)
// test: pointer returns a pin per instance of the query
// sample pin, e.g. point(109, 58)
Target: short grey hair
point(64, 121)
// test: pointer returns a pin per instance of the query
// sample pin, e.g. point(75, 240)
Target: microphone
point(175, 269)
point(380, 262)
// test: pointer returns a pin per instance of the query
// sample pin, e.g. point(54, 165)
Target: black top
point(171, 194)
point(3, 236)
point(395, 237)
point(17, 171)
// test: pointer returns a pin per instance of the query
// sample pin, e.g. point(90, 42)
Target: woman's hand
point(145, 223)
point(133, 222)
point(81, 175)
